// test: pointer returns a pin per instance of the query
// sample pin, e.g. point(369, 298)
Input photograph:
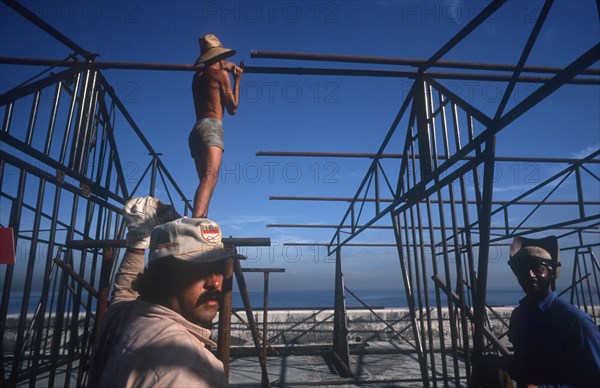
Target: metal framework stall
point(438, 195)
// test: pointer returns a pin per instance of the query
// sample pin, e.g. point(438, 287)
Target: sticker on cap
point(211, 233)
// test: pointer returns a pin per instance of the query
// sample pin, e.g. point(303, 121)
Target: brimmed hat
point(543, 250)
point(211, 50)
point(195, 240)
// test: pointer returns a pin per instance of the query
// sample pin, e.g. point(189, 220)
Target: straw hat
point(211, 50)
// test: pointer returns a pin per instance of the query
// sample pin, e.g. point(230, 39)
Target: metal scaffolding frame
point(443, 224)
point(62, 178)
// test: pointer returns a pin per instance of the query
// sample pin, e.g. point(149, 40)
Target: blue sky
point(317, 113)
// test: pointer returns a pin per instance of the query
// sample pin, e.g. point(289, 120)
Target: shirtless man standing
point(213, 94)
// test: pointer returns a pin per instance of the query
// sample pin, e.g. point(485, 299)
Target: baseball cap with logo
point(195, 240)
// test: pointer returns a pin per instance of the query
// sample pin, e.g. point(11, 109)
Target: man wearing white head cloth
point(555, 343)
point(157, 330)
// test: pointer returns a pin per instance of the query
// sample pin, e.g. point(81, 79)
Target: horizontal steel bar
point(263, 269)
point(348, 199)
point(85, 244)
point(406, 62)
point(78, 278)
point(369, 245)
point(290, 70)
point(240, 242)
point(247, 241)
point(96, 189)
point(372, 155)
point(40, 173)
point(100, 64)
point(389, 227)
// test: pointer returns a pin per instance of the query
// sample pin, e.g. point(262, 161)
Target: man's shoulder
point(571, 314)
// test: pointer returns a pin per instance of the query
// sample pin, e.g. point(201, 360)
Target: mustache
point(210, 295)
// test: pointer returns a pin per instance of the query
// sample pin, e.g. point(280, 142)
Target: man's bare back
point(212, 92)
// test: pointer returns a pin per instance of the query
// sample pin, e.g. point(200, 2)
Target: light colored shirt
point(143, 344)
point(149, 345)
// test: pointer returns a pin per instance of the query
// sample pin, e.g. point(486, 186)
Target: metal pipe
point(331, 226)
point(69, 123)
point(53, 114)
point(471, 202)
point(15, 223)
point(32, 117)
point(265, 312)
point(400, 156)
point(224, 328)
point(405, 62)
point(100, 65)
point(489, 335)
point(239, 276)
point(20, 352)
point(484, 241)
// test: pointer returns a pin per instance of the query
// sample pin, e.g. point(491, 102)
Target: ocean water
point(372, 298)
point(318, 299)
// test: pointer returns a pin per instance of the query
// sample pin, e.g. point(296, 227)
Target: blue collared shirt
point(555, 344)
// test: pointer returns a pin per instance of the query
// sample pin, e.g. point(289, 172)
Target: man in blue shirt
point(555, 343)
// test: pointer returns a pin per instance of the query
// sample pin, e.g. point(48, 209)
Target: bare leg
point(208, 163)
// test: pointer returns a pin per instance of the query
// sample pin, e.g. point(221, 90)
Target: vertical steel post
point(15, 223)
point(239, 276)
point(69, 123)
point(422, 129)
point(224, 330)
point(265, 312)
point(341, 352)
point(485, 220)
point(153, 174)
point(52, 122)
point(406, 277)
point(32, 117)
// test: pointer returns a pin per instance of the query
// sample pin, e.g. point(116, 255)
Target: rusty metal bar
point(404, 62)
point(224, 328)
point(331, 226)
point(101, 65)
point(371, 155)
point(265, 272)
point(488, 334)
point(485, 220)
point(348, 199)
point(340, 349)
point(239, 276)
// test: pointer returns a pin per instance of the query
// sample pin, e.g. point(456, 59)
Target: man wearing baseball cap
point(213, 94)
point(555, 343)
point(157, 329)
